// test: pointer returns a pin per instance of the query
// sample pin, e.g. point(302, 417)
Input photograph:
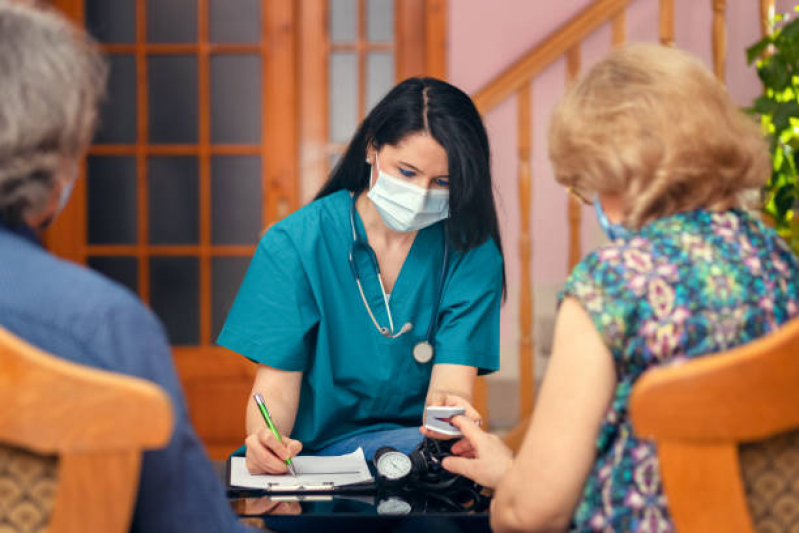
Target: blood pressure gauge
point(393, 467)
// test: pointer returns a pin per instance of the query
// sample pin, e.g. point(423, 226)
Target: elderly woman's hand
point(450, 400)
point(480, 456)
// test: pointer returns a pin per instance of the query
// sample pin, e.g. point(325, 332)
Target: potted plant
point(777, 60)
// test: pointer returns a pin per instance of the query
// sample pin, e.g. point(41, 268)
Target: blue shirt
point(74, 313)
point(299, 309)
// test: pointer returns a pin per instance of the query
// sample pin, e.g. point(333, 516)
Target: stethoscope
point(423, 351)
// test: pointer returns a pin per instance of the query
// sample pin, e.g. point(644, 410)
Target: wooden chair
point(726, 431)
point(71, 439)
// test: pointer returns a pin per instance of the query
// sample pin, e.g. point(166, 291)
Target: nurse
point(382, 295)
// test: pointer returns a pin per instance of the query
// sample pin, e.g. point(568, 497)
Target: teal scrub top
point(299, 308)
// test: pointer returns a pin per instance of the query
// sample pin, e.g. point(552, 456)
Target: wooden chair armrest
point(748, 393)
point(113, 412)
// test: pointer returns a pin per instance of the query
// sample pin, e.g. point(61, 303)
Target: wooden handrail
point(552, 48)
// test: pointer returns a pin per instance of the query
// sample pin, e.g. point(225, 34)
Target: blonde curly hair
point(652, 124)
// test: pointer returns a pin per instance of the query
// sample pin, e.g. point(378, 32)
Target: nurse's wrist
point(448, 397)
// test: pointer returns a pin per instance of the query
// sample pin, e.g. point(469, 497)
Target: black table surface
point(398, 510)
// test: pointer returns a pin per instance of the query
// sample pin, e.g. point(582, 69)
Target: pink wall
point(486, 36)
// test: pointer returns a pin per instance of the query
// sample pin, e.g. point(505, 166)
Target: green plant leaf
point(779, 158)
point(777, 61)
point(757, 49)
point(764, 105)
point(775, 74)
point(783, 199)
point(783, 113)
point(790, 32)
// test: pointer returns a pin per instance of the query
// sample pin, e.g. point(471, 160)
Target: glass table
point(385, 510)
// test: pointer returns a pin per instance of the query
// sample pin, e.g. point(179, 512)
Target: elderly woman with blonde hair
point(652, 141)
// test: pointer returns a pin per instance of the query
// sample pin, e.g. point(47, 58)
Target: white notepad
point(313, 473)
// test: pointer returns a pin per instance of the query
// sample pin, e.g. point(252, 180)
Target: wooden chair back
point(726, 432)
point(71, 441)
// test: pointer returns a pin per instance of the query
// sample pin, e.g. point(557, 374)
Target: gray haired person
point(52, 79)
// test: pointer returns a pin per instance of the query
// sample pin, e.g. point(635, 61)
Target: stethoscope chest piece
point(423, 352)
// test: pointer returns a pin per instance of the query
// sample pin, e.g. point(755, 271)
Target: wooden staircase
point(516, 81)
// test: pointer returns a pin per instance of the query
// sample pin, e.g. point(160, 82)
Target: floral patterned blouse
point(681, 287)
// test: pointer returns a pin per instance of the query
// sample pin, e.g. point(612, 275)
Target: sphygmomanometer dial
point(392, 465)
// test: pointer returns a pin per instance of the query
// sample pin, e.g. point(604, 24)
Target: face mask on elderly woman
point(613, 231)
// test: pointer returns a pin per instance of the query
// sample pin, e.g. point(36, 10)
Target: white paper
point(313, 473)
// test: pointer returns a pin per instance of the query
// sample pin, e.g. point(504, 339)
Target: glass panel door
point(175, 175)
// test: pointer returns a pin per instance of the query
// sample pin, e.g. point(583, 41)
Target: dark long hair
point(428, 105)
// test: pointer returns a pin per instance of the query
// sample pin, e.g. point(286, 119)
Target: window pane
point(118, 115)
point(171, 21)
point(343, 96)
point(235, 200)
point(380, 20)
point(173, 99)
point(175, 296)
point(111, 197)
point(124, 270)
point(235, 23)
point(226, 276)
point(174, 201)
point(343, 20)
point(379, 76)
point(112, 22)
point(235, 99)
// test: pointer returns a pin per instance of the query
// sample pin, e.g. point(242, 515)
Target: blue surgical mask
point(404, 206)
point(613, 231)
point(66, 190)
point(63, 197)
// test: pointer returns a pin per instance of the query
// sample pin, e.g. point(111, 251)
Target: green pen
point(268, 419)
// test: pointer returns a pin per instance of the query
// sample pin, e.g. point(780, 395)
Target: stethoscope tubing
point(359, 243)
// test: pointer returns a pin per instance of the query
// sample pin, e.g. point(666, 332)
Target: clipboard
point(315, 475)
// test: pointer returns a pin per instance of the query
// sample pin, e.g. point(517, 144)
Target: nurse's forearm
point(456, 380)
point(281, 392)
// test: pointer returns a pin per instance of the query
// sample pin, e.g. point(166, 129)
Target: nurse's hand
point(480, 456)
point(450, 400)
point(267, 455)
